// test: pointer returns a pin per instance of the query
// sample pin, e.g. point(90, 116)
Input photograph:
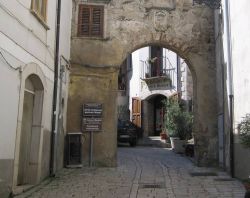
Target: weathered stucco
point(96, 85)
point(178, 25)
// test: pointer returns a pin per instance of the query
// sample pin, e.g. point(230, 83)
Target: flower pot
point(177, 145)
point(163, 136)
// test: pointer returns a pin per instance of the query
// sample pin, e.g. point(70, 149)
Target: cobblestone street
point(142, 172)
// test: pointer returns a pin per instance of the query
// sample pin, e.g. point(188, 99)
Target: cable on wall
point(7, 62)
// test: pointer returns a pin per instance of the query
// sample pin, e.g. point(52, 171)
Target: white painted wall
point(240, 48)
point(24, 40)
point(138, 88)
point(135, 81)
point(186, 82)
point(9, 107)
point(240, 28)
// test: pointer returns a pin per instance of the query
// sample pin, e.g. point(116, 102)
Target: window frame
point(90, 22)
point(40, 11)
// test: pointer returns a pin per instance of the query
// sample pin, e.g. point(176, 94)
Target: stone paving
point(142, 172)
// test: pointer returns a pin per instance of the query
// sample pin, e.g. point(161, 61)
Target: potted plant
point(163, 134)
point(178, 123)
point(244, 131)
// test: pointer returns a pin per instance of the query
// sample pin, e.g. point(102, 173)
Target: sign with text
point(91, 124)
point(92, 117)
point(92, 110)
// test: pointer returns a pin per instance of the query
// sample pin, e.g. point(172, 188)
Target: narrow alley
point(141, 172)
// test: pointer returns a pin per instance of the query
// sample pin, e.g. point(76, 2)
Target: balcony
point(158, 70)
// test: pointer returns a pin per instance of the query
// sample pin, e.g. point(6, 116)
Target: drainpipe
point(178, 65)
point(55, 93)
point(230, 83)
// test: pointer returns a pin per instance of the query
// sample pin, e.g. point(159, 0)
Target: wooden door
point(136, 111)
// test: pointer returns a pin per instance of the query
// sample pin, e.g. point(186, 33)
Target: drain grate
point(195, 174)
point(160, 185)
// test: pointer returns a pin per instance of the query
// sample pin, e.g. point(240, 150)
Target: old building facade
point(232, 84)
point(120, 27)
point(147, 77)
point(27, 67)
point(35, 44)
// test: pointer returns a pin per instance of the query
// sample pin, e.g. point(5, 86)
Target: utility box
point(73, 150)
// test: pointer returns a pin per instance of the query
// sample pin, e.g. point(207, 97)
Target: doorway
point(30, 131)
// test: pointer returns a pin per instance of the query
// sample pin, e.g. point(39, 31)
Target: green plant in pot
point(244, 131)
point(178, 122)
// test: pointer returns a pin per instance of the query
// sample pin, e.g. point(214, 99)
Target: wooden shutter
point(84, 21)
point(39, 7)
point(97, 21)
point(90, 21)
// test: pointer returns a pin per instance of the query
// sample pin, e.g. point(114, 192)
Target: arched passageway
point(178, 25)
point(146, 77)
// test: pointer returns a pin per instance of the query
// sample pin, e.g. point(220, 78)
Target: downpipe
point(55, 92)
point(230, 84)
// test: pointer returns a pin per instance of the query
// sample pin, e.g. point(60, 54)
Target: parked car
point(126, 132)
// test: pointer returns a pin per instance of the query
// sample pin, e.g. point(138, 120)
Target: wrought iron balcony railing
point(157, 67)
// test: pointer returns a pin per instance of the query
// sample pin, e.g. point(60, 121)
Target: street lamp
point(214, 4)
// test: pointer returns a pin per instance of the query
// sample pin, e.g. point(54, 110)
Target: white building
point(152, 74)
point(27, 66)
point(232, 42)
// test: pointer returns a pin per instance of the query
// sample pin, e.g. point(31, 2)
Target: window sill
point(43, 23)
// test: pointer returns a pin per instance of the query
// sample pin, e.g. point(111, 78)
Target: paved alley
point(142, 172)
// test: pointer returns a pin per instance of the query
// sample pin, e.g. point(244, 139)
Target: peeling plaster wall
point(178, 25)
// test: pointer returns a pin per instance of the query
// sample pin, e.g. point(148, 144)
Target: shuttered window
point(39, 7)
point(90, 21)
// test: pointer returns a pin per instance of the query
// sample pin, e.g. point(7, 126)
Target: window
point(39, 7)
point(90, 21)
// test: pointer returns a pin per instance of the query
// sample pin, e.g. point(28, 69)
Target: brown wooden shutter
point(97, 21)
point(84, 21)
point(136, 111)
point(90, 21)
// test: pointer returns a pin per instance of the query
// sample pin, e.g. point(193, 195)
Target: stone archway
point(178, 25)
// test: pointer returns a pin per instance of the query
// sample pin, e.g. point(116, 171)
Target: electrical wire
point(22, 5)
point(27, 28)
point(14, 68)
point(27, 51)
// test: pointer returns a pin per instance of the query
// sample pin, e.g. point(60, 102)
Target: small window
point(39, 7)
point(90, 21)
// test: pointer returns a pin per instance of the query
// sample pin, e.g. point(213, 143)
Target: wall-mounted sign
point(92, 110)
point(92, 117)
point(91, 124)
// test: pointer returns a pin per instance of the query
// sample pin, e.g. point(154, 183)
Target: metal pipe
point(55, 92)
point(230, 84)
point(178, 65)
point(91, 144)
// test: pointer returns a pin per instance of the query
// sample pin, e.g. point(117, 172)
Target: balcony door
point(156, 54)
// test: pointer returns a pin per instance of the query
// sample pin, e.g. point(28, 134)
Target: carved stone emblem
point(160, 21)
